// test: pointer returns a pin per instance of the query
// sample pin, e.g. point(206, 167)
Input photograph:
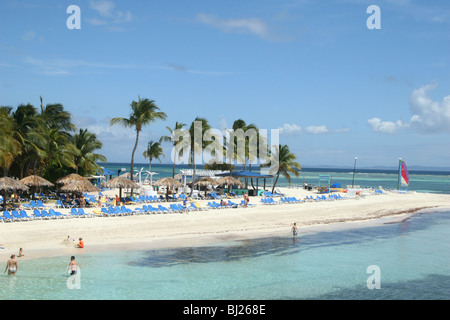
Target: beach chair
point(163, 209)
point(24, 215)
point(37, 214)
point(75, 213)
point(8, 217)
point(41, 204)
point(46, 215)
point(56, 215)
point(84, 214)
point(105, 212)
point(174, 208)
point(17, 216)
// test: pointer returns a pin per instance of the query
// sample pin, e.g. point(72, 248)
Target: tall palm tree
point(286, 164)
point(143, 112)
point(153, 151)
point(197, 146)
point(86, 143)
point(10, 147)
point(178, 126)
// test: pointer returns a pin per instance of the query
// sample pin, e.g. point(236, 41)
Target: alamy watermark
point(374, 280)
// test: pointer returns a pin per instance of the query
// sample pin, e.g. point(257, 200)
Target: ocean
point(420, 181)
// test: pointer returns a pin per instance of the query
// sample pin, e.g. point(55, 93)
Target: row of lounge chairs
point(283, 200)
point(22, 215)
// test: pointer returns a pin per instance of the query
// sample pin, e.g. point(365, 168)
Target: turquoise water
point(420, 181)
point(413, 258)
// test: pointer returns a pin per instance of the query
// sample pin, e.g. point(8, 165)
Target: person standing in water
point(11, 265)
point(294, 229)
point(73, 266)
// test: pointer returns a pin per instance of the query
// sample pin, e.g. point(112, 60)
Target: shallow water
point(412, 256)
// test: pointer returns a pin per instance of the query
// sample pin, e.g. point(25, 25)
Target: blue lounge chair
point(163, 209)
point(41, 204)
point(45, 214)
point(84, 214)
point(37, 214)
point(56, 214)
point(17, 216)
point(8, 217)
point(153, 209)
point(105, 212)
point(74, 213)
point(24, 215)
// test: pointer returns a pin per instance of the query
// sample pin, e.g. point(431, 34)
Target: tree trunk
point(132, 159)
point(275, 183)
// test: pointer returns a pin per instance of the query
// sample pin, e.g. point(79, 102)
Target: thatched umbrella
point(121, 182)
point(229, 181)
point(7, 183)
point(80, 186)
point(71, 178)
point(36, 182)
point(204, 182)
point(168, 183)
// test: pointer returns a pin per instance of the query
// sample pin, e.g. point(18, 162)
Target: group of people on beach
point(12, 265)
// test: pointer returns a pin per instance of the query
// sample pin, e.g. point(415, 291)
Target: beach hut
point(121, 182)
point(7, 183)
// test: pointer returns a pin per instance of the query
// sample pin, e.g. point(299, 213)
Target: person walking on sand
point(245, 199)
point(294, 229)
point(11, 265)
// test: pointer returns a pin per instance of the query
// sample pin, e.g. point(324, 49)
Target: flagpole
point(398, 173)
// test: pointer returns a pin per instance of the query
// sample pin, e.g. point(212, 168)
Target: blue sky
point(312, 69)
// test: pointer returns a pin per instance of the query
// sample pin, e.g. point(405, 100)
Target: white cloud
point(316, 129)
point(253, 26)
point(388, 127)
point(290, 129)
point(429, 116)
point(108, 14)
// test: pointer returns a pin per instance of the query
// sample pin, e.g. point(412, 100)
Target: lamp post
point(354, 170)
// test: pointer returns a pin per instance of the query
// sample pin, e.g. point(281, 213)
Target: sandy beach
point(41, 238)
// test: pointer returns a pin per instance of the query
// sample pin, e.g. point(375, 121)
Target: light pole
point(354, 170)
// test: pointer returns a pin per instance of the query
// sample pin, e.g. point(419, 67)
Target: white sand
point(43, 238)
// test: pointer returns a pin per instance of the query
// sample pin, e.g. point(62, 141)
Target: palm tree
point(286, 164)
point(10, 147)
point(143, 112)
point(153, 151)
point(197, 146)
point(178, 126)
point(86, 143)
